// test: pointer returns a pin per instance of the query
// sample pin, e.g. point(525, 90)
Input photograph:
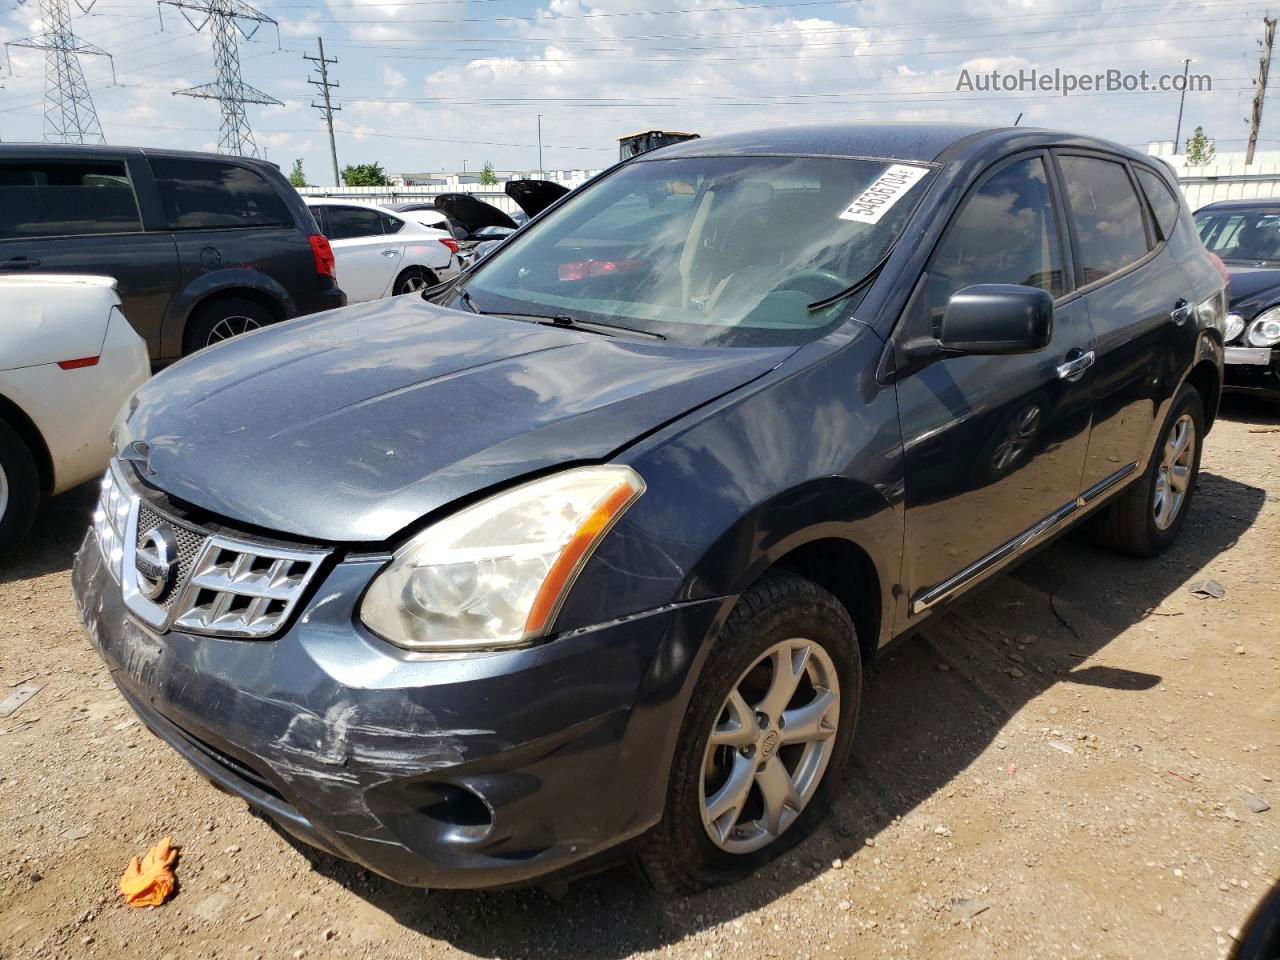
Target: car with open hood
point(479, 222)
point(579, 557)
point(1245, 234)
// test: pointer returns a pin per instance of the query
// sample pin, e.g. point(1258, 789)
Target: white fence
point(390, 195)
point(1227, 178)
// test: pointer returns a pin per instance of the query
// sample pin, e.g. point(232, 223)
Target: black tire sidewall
point(24, 488)
point(804, 610)
point(207, 316)
point(428, 277)
point(1187, 401)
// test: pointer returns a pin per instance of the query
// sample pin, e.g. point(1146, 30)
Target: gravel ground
point(1074, 764)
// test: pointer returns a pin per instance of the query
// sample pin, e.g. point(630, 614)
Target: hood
point(534, 196)
point(1253, 289)
point(472, 213)
point(350, 425)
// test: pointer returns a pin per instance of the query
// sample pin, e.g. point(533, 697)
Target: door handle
point(391, 253)
point(18, 263)
point(1074, 368)
point(1180, 313)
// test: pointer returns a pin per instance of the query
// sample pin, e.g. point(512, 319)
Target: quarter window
point(205, 195)
point(347, 223)
point(58, 199)
point(1106, 213)
point(1162, 199)
point(1006, 232)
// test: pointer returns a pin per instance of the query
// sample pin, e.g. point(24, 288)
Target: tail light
point(451, 243)
point(323, 253)
point(1222, 269)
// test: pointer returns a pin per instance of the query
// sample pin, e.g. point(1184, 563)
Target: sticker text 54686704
point(887, 189)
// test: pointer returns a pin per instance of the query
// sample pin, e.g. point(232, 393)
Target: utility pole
point(1255, 118)
point(227, 18)
point(327, 108)
point(1177, 131)
point(540, 146)
point(69, 114)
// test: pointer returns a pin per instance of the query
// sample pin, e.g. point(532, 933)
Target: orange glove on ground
point(147, 882)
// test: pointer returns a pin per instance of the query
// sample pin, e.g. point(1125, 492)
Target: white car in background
point(68, 362)
point(379, 252)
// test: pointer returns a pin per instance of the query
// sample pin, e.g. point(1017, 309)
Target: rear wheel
point(19, 488)
point(765, 739)
point(413, 280)
point(1145, 519)
point(222, 319)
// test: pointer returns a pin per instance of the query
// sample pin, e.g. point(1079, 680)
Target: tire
point(221, 319)
point(1132, 523)
point(679, 856)
point(19, 489)
point(413, 280)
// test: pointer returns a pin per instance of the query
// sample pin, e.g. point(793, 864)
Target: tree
point(487, 177)
point(296, 176)
point(365, 175)
point(1200, 149)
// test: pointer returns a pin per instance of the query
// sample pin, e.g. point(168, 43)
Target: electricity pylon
point(69, 114)
point(226, 18)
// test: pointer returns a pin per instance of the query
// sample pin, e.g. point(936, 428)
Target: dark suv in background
point(202, 246)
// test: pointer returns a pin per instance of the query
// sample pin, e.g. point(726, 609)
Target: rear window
point(347, 223)
point(1162, 199)
point(206, 195)
point(1107, 214)
point(60, 199)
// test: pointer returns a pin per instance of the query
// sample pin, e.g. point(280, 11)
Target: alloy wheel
point(770, 745)
point(414, 283)
point(1173, 477)
point(228, 327)
point(4, 492)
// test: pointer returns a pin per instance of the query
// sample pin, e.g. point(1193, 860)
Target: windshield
point(1241, 234)
point(728, 251)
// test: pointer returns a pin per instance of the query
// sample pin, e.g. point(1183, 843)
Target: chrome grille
point(224, 585)
point(190, 543)
point(241, 590)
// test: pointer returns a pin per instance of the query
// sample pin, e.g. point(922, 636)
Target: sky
point(438, 84)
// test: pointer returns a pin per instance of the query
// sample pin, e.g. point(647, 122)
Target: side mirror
point(997, 318)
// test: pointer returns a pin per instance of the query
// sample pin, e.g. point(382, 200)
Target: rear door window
point(347, 223)
point(1163, 202)
point(1107, 214)
point(1006, 232)
point(207, 195)
point(52, 198)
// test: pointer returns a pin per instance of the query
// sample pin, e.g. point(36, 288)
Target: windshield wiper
point(853, 287)
point(562, 320)
point(566, 322)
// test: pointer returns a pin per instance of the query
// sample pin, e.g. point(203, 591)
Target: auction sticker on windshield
point(888, 188)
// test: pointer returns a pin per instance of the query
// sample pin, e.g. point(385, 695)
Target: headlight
point(1265, 331)
point(495, 574)
point(1235, 326)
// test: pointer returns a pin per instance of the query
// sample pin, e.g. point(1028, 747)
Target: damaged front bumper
point(465, 771)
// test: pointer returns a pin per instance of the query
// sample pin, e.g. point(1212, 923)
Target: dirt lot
point(1075, 764)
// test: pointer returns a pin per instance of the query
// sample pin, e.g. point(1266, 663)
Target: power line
point(69, 114)
point(327, 108)
point(227, 18)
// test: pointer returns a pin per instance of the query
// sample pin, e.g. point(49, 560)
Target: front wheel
point(1145, 519)
point(19, 489)
point(765, 739)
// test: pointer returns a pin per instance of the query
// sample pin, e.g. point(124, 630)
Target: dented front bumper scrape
point(471, 771)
